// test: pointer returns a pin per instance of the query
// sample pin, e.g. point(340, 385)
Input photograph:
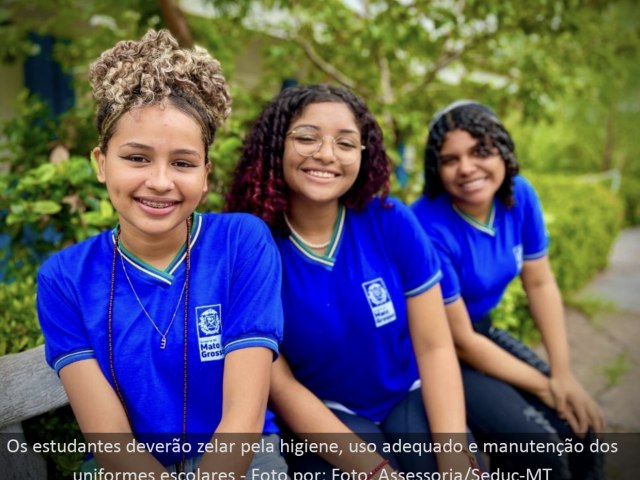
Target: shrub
point(583, 220)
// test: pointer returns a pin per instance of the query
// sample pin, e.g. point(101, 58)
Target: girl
point(486, 223)
point(360, 282)
point(149, 325)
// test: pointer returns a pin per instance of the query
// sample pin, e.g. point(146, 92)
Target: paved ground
point(605, 354)
point(604, 350)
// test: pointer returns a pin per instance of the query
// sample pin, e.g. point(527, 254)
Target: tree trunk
point(176, 22)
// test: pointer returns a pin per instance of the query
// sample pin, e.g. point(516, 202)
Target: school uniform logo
point(210, 332)
point(517, 253)
point(379, 301)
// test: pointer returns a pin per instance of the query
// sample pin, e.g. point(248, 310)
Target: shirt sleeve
point(66, 339)
point(255, 304)
point(450, 283)
point(535, 239)
point(415, 256)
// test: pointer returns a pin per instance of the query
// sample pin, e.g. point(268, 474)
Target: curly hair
point(151, 70)
point(482, 124)
point(258, 184)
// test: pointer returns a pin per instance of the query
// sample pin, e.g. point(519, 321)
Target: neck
point(315, 223)
point(158, 251)
point(479, 213)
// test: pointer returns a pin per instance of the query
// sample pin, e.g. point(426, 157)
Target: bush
point(583, 220)
point(630, 193)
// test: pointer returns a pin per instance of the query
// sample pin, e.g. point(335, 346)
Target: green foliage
point(19, 327)
point(582, 233)
point(617, 369)
point(512, 314)
point(583, 220)
point(630, 193)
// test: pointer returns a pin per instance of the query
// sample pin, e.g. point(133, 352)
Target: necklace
point(301, 238)
point(185, 346)
point(163, 342)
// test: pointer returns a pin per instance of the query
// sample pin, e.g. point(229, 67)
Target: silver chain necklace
point(163, 342)
point(301, 238)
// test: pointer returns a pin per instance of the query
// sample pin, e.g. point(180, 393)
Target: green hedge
point(583, 220)
point(630, 193)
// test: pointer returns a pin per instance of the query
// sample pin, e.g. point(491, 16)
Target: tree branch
point(446, 58)
point(323, 65)
point(177, 22)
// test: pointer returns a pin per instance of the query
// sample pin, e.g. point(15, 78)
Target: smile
point(473, 184)
point(156, 203)
point(320, 173)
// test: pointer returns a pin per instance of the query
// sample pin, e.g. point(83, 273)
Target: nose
point(326, 152)
point(159, 179)
point(466, 165)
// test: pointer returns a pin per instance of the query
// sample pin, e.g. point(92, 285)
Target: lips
point(320, 173)
point(158, 204)
point(471, 185)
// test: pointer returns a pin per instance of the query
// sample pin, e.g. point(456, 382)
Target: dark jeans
point(407, 422)
point(498, 412)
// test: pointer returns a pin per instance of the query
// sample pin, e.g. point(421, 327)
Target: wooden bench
point(28, 387)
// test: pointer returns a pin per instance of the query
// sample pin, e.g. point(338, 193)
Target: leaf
point(46, 207)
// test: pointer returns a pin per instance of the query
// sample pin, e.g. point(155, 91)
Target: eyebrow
point(142, 146)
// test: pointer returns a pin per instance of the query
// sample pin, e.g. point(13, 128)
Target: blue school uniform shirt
point(234, 303)
point(346, 330)
point(479, 261)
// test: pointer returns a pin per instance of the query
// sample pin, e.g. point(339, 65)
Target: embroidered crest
point(209, 318)
point(379, 301)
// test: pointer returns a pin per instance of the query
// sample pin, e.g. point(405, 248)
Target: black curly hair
point(258, 184)
point(482, 124)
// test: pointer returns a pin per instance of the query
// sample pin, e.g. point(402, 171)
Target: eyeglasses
point(307, 142)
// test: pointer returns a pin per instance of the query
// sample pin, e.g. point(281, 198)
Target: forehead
point(458, 140)
point(327, 115)
point(157, 123)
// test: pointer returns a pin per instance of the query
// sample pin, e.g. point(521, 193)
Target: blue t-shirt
point(234, 303)
point(346, 330)
point(479, 261)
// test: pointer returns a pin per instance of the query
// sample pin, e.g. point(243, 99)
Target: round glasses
point(307, 142)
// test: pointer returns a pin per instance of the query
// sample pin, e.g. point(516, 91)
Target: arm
point(484, 355)
point(244, 400)
point(100, 415)
point(443, 396)
point(545, 302)
point(308, 417)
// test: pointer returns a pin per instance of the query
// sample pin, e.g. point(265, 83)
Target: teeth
point(473, 183)
point(152, 204)
point(318, 173)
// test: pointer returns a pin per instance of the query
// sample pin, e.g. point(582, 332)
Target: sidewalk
point(604, 350)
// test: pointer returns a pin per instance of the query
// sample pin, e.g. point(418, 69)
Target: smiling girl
point(149, 325)
point(486, 223)
point(366, 346)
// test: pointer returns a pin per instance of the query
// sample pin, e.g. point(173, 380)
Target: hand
point(574, 404)
point(463, 463)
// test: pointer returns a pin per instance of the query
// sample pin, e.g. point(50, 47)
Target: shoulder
point(390, 206)
point(236, 234)
point(391, 210)
point(76, 256)
point(235, 223)
point(524, 193)
point(433, 212)
point(522, 186)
